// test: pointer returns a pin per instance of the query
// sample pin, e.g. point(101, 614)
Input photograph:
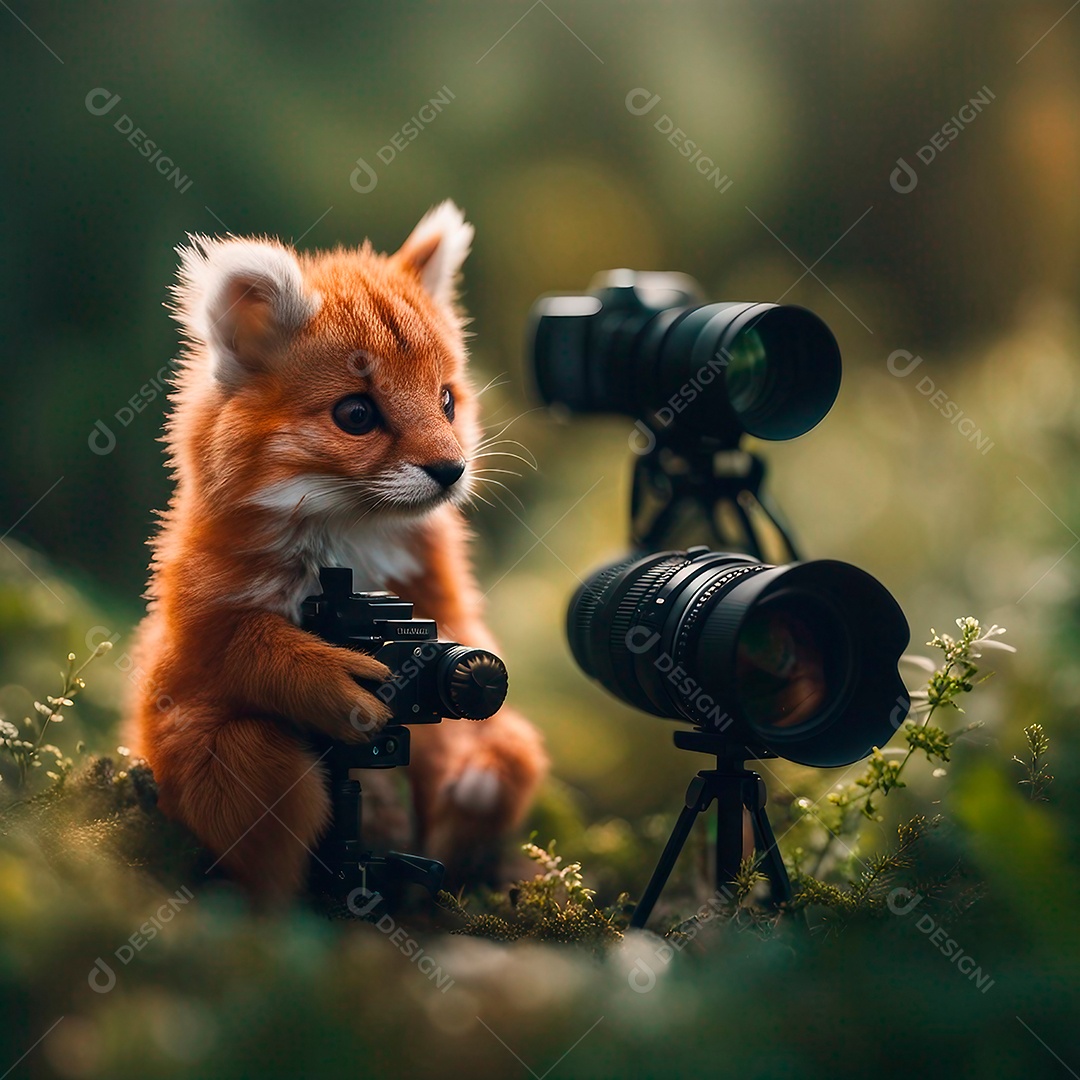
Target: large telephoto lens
point(643, 345)
point(797, 660)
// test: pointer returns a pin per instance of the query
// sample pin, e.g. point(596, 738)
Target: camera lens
point(471, 683)
point(799, 660)
point(792, 662)
point(640, 346)
point(783, 372)
point(749, 374)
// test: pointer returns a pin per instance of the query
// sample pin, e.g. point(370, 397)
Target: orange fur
point(267, 488)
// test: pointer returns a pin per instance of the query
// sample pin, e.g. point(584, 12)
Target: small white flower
point(986, 641)
point(993, 645)
point(923, 662)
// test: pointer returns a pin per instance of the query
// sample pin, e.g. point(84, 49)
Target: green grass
point(108, 920)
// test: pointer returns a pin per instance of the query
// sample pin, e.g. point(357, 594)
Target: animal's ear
point(435, 250)
point(243, 299)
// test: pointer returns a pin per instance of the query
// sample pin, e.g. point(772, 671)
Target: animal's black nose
point(447, 473)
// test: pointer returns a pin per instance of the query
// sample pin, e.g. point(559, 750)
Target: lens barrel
point(471, 684)
point(642, 345)
point(799, 660)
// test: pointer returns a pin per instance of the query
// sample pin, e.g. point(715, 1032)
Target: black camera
point(645, 345)
point(430, 680)
point(797, 661)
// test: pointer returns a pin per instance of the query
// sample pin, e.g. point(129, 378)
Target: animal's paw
point(476, 790)
point(355, 713)
point(483, 786)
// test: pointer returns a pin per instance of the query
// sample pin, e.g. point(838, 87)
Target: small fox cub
point(321, 416)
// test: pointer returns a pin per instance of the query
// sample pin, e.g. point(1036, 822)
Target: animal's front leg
point(473, 781)
point(278, 668)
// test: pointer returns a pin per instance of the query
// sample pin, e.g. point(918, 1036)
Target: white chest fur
point(377, 552)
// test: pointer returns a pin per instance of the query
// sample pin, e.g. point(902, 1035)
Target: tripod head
point(704, 491)
point(725, 750)
point(345, 861)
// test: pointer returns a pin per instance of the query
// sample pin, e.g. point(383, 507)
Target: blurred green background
point(265, 108)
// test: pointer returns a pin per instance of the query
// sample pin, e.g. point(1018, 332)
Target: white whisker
point(508, 472)
point(510, 423)
point(494, 383)
point(509, 491)
point(506, 453)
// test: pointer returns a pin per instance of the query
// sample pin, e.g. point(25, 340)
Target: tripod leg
point(729, 832)
point(765, 842)
point(698, 798)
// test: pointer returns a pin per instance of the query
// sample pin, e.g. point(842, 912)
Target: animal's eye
point(356, 414)
point(448, 402)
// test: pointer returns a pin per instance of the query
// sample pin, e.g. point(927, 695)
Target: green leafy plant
point(1038, 779)
point(884, 772)
point(845, 811)
point(868, 892)
point(26, 748)
point(739, 909)
point(554, 906)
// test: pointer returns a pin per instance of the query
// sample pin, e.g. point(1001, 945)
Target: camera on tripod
point(430, 680)
point(796, 660)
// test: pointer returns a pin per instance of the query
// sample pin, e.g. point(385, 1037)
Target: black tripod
point(682, 488)
point(346, 867)
point(733, 788)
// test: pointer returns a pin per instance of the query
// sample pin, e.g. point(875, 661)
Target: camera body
point(431, 679)
point(645, 345)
